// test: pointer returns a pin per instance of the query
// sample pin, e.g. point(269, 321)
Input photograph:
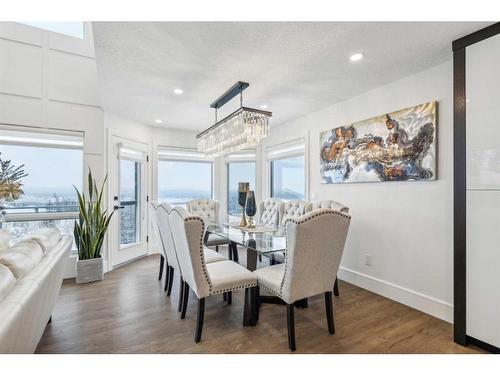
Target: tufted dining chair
point(165, 229)
point(153, 207)
point(208, 209)
point(315, 243)
point(269, 212)
point(334, 205)
point(204, 279)
point(292, 208)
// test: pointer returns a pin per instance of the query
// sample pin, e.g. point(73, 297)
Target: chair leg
point(329, 312)
point(291, 326)
point(170, 280)
point(181, 294)
point(235, 253)
point(254, 305)
point(230, 251)
point(167, 278)
point(229, 297)
point(185, 296)
point(162, 261)
point(217, 248)
point(260, 257)
point(336, 287)
point(199, 320)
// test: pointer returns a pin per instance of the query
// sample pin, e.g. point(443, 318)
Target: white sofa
point(31, 274)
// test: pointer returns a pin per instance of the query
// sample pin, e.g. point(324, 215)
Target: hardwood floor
point(128, 312)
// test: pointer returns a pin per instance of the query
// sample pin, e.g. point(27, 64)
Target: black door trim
point(459, 47)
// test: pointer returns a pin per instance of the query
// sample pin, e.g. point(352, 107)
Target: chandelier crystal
point(242, 129)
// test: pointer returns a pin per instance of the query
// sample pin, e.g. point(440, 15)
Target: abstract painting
point(397, 146)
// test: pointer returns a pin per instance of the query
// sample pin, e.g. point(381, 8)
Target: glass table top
point(261, 242)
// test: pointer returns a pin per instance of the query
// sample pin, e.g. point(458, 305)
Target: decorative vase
point(89, 270)
point(251, 208)
point(243, 188)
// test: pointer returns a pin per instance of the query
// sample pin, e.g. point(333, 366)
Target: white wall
point(405, 226)
point(49, 80)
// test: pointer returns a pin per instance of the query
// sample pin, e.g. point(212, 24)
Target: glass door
point(128, 234)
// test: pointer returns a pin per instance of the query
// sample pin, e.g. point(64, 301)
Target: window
point(54, 167)
point(74, 29)
point(238, 172)
point(183, 175)
point(287, 178)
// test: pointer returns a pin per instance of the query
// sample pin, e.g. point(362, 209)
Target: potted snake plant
point(90, 230)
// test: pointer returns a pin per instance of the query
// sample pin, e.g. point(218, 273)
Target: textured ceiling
point(295, 68)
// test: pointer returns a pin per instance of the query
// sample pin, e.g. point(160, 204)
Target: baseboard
point(427, 304)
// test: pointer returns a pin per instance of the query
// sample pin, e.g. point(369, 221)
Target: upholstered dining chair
point(269, 212)
point(315, 243)
point(153, 207)
point(208, 209)
point(334, 205)
point(204, 279)
point(289, 209)
point(168, 244)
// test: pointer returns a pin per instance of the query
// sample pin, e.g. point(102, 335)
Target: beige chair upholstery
point(208, 209)
point(334, 205)
point(291, 209)
point(315, 243)
point(204, 279)
point(270, 211)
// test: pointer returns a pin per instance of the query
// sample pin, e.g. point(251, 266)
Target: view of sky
point(49, 169)
point(75, 29)
point(184, 175)
point(288, 174)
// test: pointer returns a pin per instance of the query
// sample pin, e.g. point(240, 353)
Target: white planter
point(89, 270)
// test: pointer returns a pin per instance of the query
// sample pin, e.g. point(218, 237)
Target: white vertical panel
point(73, 79)
point(20, 69)
point(483, 190)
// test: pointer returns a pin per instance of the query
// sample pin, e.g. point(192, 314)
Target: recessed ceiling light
point(356, 57)
point(178, 91)
point(263, 106)
point(158, 121)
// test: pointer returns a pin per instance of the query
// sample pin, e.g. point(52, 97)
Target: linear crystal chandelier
point(242, 129)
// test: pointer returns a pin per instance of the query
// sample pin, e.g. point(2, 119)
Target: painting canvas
point(397, 146)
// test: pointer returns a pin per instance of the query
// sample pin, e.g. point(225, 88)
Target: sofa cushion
point(4, 239)
point(21, 258)
point(7, 281)
point(47, 238)
point(30, 248)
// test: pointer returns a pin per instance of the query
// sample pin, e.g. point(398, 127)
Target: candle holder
point(243, 188)
point(251, 208)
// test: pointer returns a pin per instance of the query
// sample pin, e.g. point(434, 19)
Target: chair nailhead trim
point(202, 255)
point(213, 293)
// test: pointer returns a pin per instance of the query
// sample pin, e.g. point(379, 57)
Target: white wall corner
point(427, 304)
